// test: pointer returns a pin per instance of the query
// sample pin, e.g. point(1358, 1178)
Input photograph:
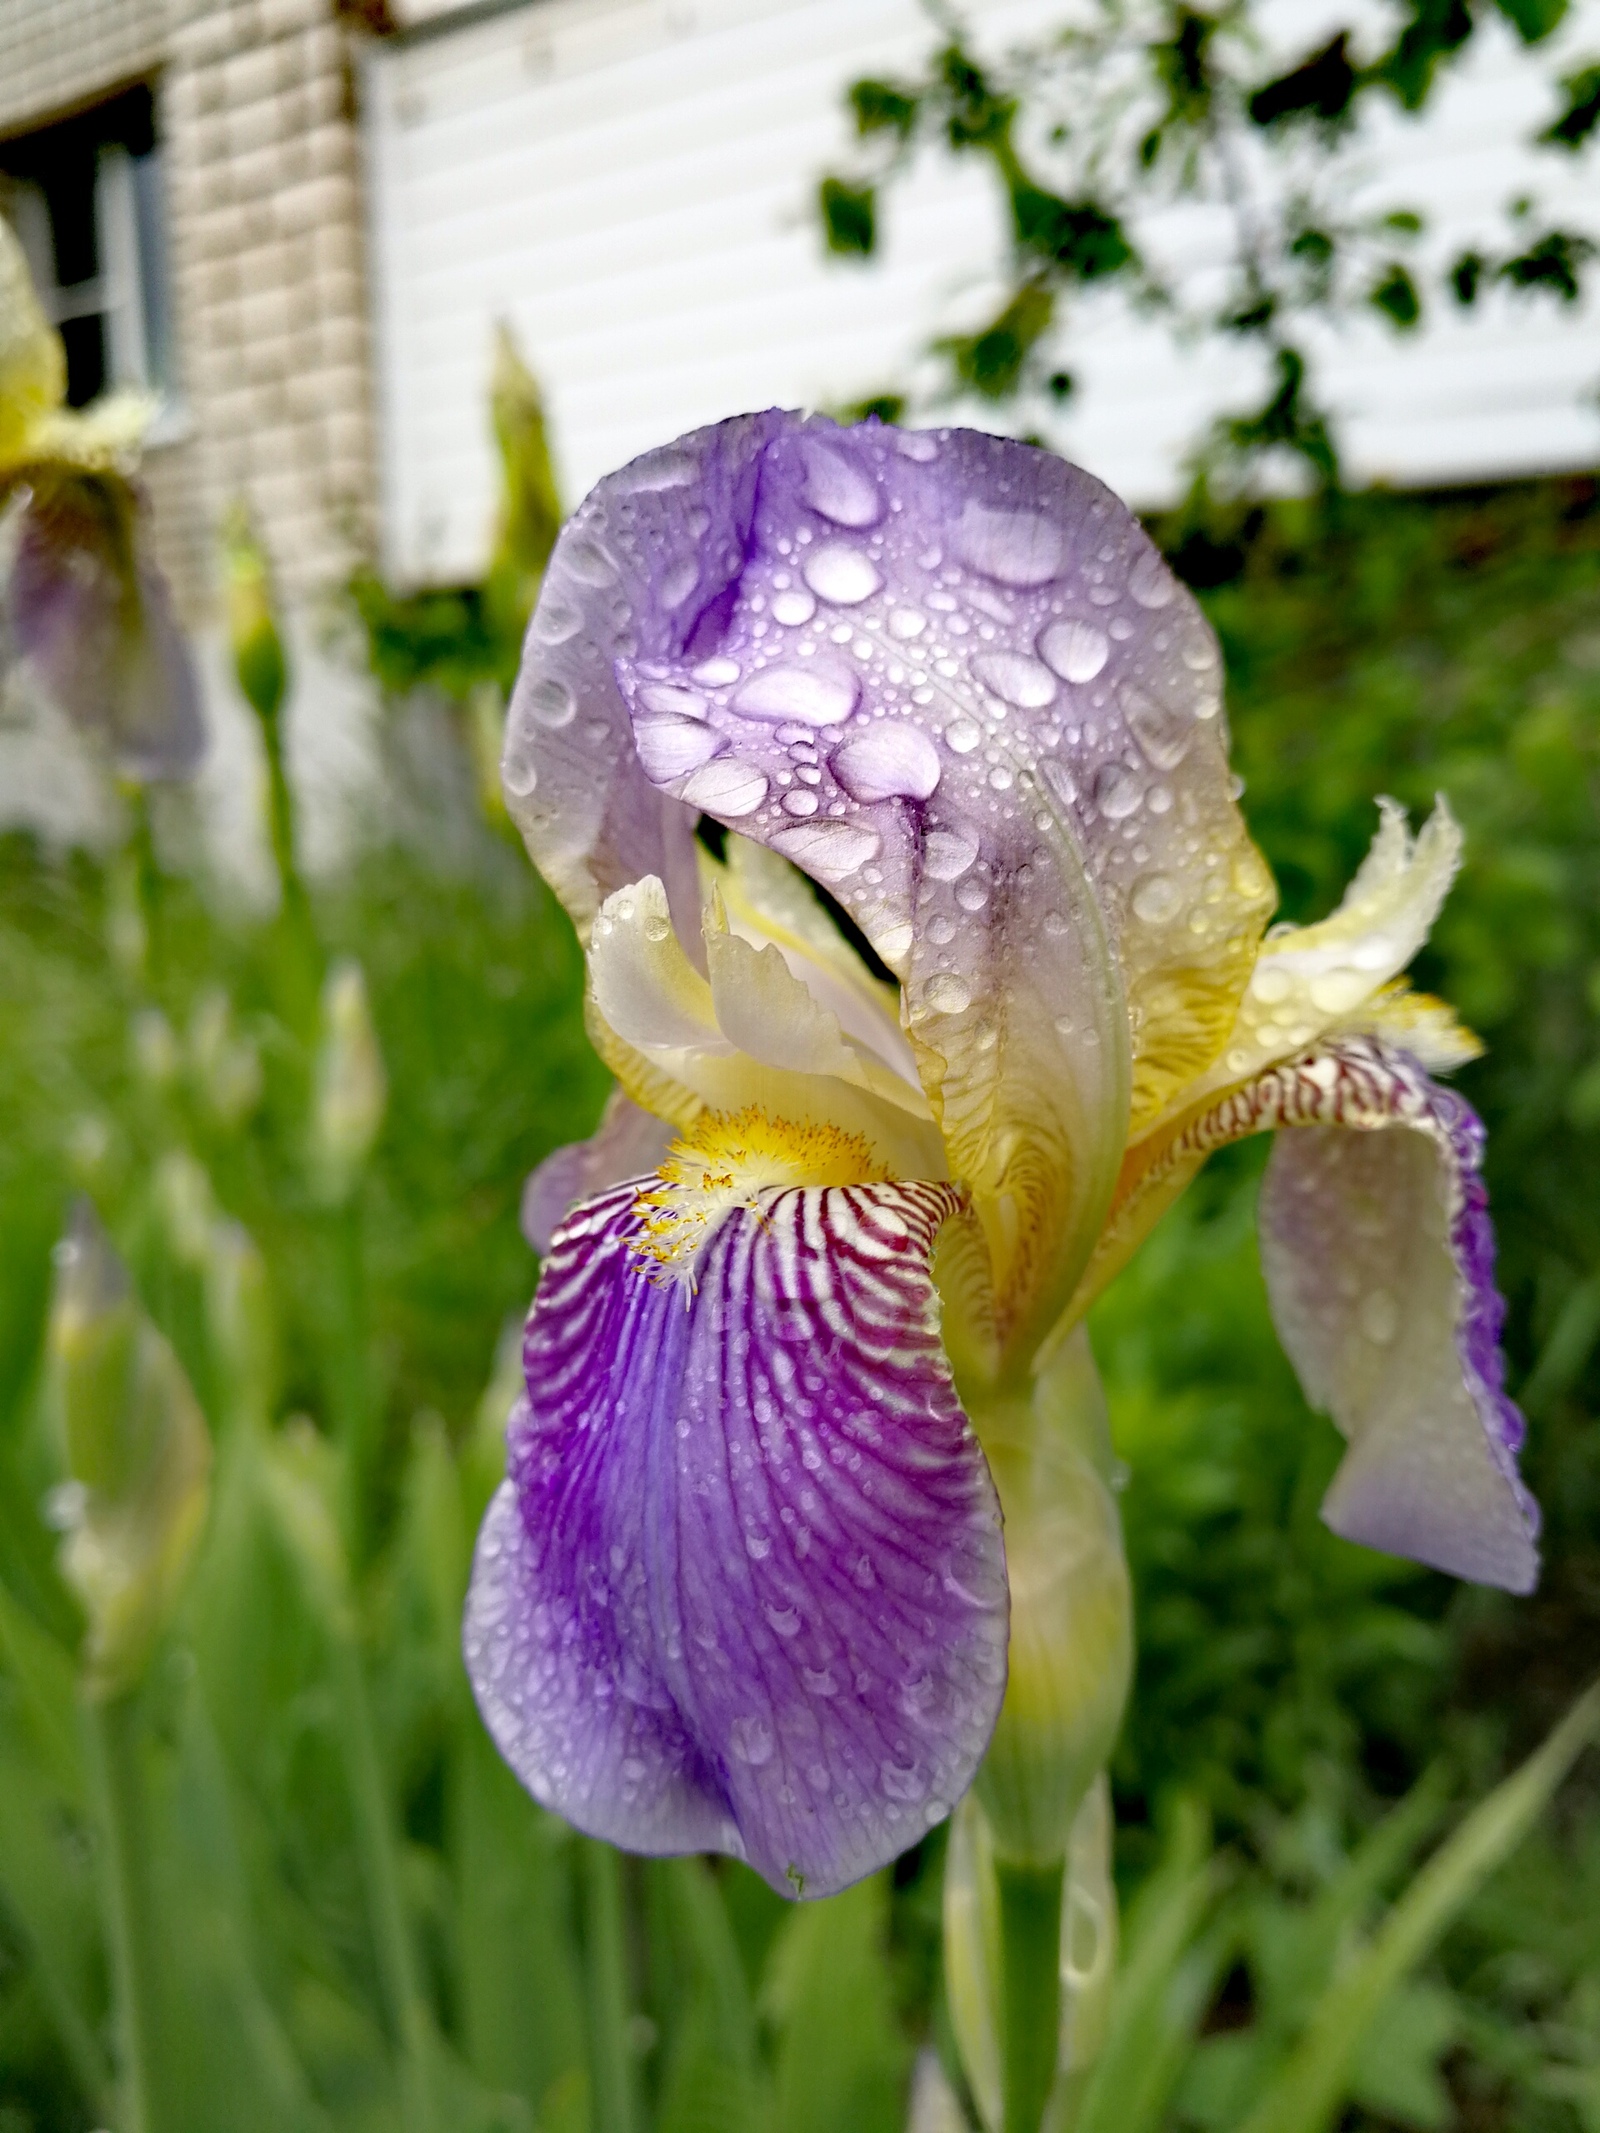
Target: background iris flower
point(746, 1585)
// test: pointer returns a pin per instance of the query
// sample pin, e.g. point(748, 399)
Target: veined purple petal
point(91, 611)
point(626, 1142)
point(744, 1587)
point(1379, 1258)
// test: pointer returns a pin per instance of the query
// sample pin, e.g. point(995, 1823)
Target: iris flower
point(85, 602)
point(745, 1585)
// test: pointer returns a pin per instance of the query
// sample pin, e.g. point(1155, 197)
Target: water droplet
point(717, 673)
point(557, 619)
point(838, 487)
point(973, 894)
point(728, 787)
point(948, 993)
point(946, 856)
point(820, 1682)
point(1117, 792)
point(519, 770)
point(1156, 899)
point(812, 696)
point(800, 803)
point(905, 623)
point(668, 467)
point(843, 575)
point(671, 747)
point(832, 850)
point(1059, 779)
point(550, 701)
point(1019, 548)
point(679, 580)
point(793, 608)
point(901, 1783)
point(667, 696)
point(1164, 734)
point(751, 1741)
point(892, 760)
point(1380, 1317)
point(962, 736)
point(785, 1620)
point(1150, 581)
point(1076, 650)
point(1016, 678)
point(587, 561)
point(916, 444)
point(1335, 992)
point(1269, 983)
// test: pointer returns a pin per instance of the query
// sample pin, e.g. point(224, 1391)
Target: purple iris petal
point(744, 1588)
point(626, 1142)
point(91, 611)
point(1379, 1258)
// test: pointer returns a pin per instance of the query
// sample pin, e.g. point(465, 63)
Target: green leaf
point(1396, 2069)
point(841, 2059)
point(1307, 2095)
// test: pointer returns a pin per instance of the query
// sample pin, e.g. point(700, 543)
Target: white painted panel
point(630, 183)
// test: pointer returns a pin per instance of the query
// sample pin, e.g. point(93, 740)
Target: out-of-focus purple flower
point(85, 602)
point(745, 1583)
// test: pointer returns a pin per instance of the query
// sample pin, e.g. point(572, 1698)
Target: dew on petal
point(804, 694)
point(833, 850)
point(717, 673)
point(666, 696)
point(727, 787)
point(1335, 992)
point(962, 736)
point(667, 468)
point(556, 620)
point(1156, 899)
point(1117, 792)
point(751, 1741)
point(946, 856)
point(891, 760)
point(1019, 548)
point(520, 772)
point(1150, 581)
point(793, 607)
point(551, 702)
point(916, 444)
point(679, 581)
point(906, 623)
point(1164, 734)
point(588, 562)
point(948, 993)
point(1076, 650)
point(800, 803)
point(839, 488)
point(840, 574)
point(1016, 679)
point(671, 746)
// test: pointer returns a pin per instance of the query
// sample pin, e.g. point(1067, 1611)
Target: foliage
point(1136, 105)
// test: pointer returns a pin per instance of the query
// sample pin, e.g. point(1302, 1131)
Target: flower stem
point(1030, 1990)
point(130, 1903)
point(610, 2047)
point(302, 959)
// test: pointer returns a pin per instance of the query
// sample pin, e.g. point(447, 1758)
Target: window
point(85, 199)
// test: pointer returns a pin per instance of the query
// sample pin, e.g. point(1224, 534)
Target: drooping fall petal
point(744, 1586)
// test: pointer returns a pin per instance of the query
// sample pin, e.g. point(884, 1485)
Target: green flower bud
point(253, 637)
point(136, 1450)
point(351, 1088)
point(1071, 1656)
point(225, 1067)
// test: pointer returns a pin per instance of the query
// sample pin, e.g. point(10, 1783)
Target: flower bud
point(239, 1320)
point(351, 1088)
point(137, 1454)
point(1071, 1655)
point(225, 1067)
point(253, 636)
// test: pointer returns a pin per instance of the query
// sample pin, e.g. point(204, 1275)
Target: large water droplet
point(667, 696)
point(1156, 899)
point(679, 580)
point(550, 701)
point(668, 467)
point(810, 695)
point(727, 787)
point(1019, 548)
point(1150, 581)
point(891, 760)
point(1117, 792)
point(793, 607)
point(751, 1741)
point(587, 561)
point(802, 802)
point(557, 619)
point(671, 747)
point(948, 993)
point(905, 623)
point(1335, 992)
point(1077, 650)
point(831, 850)
point(1164, 734)
point(843, 575)
point(916, 444)
point(962, 735)
point(946, 856)
point(519, 770)
point(1016, 678)
point(838, 487)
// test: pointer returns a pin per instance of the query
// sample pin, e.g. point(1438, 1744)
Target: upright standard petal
point(948, 677)
point(744, 1588)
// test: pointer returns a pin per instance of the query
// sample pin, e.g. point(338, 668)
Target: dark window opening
point(86, 201)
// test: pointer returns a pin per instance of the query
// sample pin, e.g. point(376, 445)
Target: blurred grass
point(1293, 1686)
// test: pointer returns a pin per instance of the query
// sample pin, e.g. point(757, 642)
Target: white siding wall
point(630, 183)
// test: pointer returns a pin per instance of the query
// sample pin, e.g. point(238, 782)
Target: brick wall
point(261, 144)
